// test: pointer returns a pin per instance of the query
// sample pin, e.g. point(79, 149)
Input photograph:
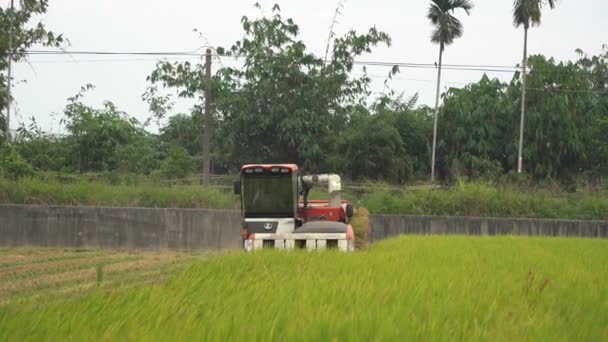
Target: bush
point(94, 193)
point(178, 163)
point(12, 165)
point(484, 199)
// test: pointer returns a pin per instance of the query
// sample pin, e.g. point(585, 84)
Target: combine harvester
point(277, 212)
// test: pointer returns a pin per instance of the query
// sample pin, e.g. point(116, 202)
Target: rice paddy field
point(410, 287)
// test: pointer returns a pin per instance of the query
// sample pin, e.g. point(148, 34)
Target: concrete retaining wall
point(152, 228)
point(385, 226)
point(131, 228)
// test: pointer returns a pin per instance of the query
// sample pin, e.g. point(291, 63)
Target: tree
point(96, 135)
point(566, 123)
point(43, 151)
point(562, 114)
point(177, 164)
point(285, 104)
point(141, 155)
point(16, 30)
point(371, 148)
point(526, 13)
point(595, 69)
point(184, 130)
point(447, 28)
point(474, 130)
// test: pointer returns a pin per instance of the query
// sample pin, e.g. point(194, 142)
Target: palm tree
point(526, 13)
point(447, 29)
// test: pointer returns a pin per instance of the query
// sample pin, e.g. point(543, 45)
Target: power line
point(552, 90)
point(177, 55)
point(112, 53)
point(175, 58)
point(444, 66)
point(468, 67)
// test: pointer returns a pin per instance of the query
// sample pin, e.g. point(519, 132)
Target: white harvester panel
point(303, 241)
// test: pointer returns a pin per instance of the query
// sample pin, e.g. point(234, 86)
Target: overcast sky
point(489, 38)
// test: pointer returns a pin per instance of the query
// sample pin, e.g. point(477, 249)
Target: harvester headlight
point(275, 169)
point(285, 170)
point(249, 171)
point(258, 170)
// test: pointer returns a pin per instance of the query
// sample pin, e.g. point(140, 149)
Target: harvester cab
point(277, 213)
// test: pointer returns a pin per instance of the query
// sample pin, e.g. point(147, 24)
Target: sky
point(45, 82)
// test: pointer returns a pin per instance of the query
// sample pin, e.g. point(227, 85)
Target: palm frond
point(465, 5)
point(447, 26)
point(528, 12)
point(447, 30)
point(412, 101)
point(434, 14)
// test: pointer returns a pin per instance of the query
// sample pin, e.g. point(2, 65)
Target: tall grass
point(409, 288)
point(481, 199)
point(463, 199)
point(95, 193)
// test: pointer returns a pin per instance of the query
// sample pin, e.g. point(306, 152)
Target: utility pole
point(520, 146)
point(436, 114)
point(207, 119)
point(7, 132)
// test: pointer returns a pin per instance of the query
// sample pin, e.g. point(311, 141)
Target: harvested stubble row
point(29, 274)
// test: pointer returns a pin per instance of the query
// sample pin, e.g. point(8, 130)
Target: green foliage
point(287, 105)
point(408, 288)
point(372, 147)
point(141, 156)
point(177, 164)
point(96, 135)
point(594, 74)
point(476, 129)
point(447, 27)
point(145, 193)
point(12, 164)
point(481, 199)
point(42, 151)
point(387, 142)
point(285, 101)
point(559, 120)
point(185, 131)
point(527, 13)
point(567, 108)
point(465, 199)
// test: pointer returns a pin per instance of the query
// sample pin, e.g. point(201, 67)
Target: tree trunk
point(9, 78)
point(436, 114)
point(523, 103)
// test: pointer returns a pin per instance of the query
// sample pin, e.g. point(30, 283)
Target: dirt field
point(29, 274)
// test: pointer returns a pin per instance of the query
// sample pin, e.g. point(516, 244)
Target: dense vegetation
point(443, 288)
point(287, 105)
point(463, 199)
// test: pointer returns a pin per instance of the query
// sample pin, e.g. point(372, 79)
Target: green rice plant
point(407, 288)
point(99, 273)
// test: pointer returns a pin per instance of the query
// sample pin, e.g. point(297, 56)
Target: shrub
point(178, 163)
point(12, 165)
